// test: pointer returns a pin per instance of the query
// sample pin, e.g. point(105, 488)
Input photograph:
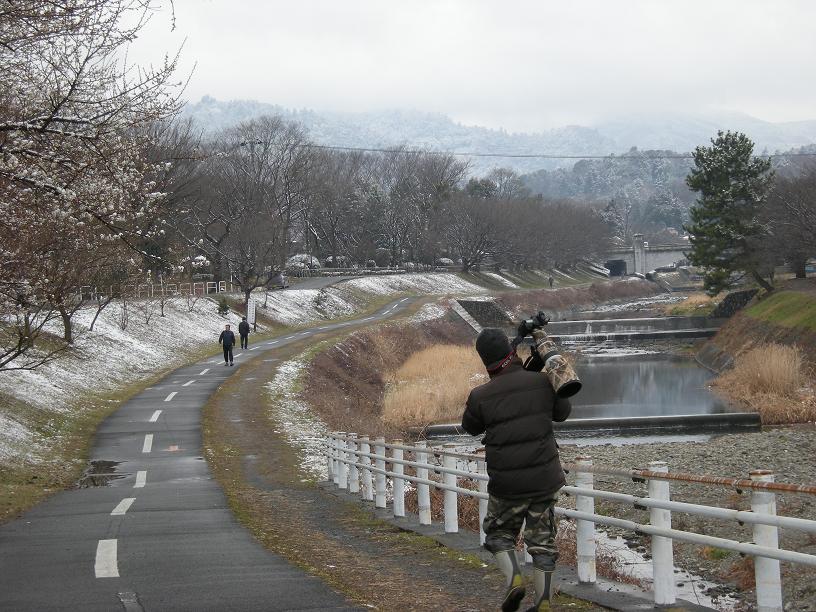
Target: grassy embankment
point(774, 348)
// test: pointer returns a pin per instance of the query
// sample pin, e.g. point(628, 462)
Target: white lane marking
point(123, 506)
point(250, 378)
point(188, 383)
point(253, 348)
point(215, 361)
point(171, 396)
point(148, 443)
point(141, 479)
point(106, 565)
point(203, 372)
point(155, 416)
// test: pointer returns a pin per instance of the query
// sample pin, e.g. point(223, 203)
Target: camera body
point(546, 357)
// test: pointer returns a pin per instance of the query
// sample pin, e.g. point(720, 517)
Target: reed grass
point(773, 380)
point(432, 386)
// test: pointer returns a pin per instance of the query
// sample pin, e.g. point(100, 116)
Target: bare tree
point(71, 153)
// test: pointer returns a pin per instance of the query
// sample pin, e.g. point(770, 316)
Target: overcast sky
point(521, 65)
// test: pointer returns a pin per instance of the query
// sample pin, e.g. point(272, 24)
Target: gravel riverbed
point(790, 452)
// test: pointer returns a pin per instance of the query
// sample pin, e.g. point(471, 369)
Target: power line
point(526, 155)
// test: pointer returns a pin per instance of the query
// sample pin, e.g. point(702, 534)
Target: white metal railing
point(361, 465)
point(153, 290)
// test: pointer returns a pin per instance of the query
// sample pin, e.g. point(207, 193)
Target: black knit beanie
point(493, 347)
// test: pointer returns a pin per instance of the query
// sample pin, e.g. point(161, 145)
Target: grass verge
point(787, 309)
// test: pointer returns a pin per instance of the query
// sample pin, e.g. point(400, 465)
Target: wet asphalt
point(159, 535)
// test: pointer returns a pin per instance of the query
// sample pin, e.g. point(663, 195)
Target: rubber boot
point(508, 564)
point(543, 588)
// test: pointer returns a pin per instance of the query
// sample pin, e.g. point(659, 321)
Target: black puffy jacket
point(517, 409)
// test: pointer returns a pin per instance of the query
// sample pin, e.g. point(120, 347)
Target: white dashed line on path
point(171, 396)
point(253, 348)
point(188, 383)
point(141, 479)
point(123, 506)
point(155, 416)
point(148, 443)
point(204, 371)
point(106, 565)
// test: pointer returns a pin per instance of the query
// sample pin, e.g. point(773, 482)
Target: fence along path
point(363, 466)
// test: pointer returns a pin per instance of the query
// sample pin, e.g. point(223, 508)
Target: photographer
point(516, 409)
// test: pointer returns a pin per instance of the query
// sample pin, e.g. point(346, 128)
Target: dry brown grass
point(771, 379)
point(432, 386)
point(522, 303)
point(700, 304)
point(346, 383)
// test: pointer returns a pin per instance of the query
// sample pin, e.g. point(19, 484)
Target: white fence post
point(330, 457)
point(481, 467)
point(399, 483)
point(766, 571)
point(379, 478)
point(662, 548)
point(342, 456)
point(368, 485)
point(423, 490)
point(335, 455)
point(354, 473)
point(451, 505)
point(585, 530)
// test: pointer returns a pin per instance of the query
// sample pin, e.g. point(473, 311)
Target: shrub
point(223, 307)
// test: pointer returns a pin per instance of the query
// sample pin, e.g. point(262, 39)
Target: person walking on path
point(516, 408)
point(550, 279)
point(243, 331)
point(227, 341)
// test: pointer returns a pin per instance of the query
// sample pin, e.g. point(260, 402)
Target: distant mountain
point(416, 129)
point(684, 132)
point(440, 133)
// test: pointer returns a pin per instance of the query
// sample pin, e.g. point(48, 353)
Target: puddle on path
point(99, 474)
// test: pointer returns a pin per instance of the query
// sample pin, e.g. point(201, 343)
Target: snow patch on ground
point(419, 283)
point(638, 304)
point(636, 565)
point(305, 431)
point(499, 278)
point(429, 312)
point(298, 306)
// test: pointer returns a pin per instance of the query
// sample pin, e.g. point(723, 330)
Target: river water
point(646, 385)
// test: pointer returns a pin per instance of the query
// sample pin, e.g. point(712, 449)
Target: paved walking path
point(160, 536)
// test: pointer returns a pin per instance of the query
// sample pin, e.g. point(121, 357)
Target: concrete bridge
point(642, 257)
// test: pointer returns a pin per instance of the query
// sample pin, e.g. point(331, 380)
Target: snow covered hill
point(675, 132)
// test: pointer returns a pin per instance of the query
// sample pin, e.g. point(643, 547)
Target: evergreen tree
point(727, 234)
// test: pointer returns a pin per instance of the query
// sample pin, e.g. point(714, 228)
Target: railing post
point(481, 467)
point(585, 530)
point(335, 454)
point(354, 473)
point(662, 548)
point(344, 468)
point(330, 458)
point(450, 505)
point(379, 478)
point(423, 490)
point(368, 485)
point(766, 571)
point(399, 483)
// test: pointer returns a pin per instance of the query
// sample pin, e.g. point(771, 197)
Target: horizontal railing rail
point(362, 465)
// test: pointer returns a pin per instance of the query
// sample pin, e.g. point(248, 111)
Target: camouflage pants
point(505, 518)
